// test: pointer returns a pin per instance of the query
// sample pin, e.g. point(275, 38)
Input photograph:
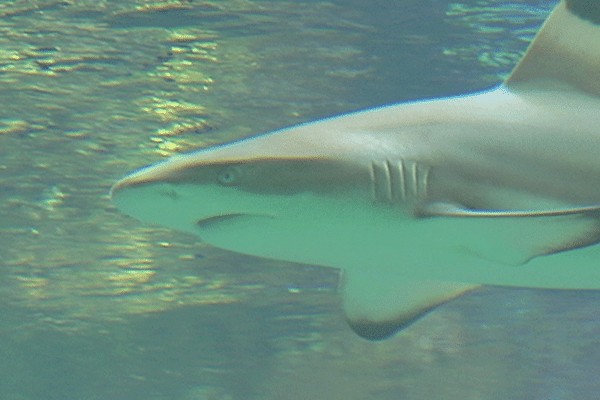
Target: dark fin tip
point(588, 10)
point(380, 330)
point(376, 331)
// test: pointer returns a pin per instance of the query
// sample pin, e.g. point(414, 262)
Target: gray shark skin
point(420, 202)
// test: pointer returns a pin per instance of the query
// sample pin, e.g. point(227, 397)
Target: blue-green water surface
point(96, 305)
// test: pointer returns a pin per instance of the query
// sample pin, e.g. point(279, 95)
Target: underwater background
point(96, 305)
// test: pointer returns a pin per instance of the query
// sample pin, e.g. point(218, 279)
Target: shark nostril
point(171, 193)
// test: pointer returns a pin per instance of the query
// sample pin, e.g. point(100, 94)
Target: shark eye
point(230, 175)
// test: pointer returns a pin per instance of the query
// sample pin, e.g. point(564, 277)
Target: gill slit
point(398, 181)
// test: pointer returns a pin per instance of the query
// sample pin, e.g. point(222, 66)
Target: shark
point(417, 203)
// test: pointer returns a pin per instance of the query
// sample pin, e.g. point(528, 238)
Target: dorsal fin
point(565, 50)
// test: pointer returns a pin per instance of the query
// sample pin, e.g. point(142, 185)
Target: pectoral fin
point(514, 236)
point(378, 306)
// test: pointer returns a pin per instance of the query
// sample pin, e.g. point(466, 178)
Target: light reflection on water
point(96, 305)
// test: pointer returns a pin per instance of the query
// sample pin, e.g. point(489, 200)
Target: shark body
point(418, 202)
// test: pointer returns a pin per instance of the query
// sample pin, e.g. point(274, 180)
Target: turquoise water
point(96, 305)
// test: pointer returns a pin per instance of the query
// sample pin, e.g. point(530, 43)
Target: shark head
point(248, 204)
point(418, 203)
point(275, 196)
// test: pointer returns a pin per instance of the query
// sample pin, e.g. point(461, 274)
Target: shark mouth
point(208, 222)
